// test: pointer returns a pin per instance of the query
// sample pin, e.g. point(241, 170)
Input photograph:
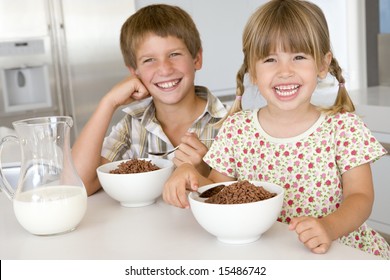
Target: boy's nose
point(165, 67)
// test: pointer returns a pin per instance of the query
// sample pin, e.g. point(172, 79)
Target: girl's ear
point(325, 65)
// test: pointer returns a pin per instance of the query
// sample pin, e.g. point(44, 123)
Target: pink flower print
point(229, 135)
point(330, 164)
point(353, 129)
point(290, 202)
point(318, 184)
point(230, 171)
point(372, 139)
point(357, 237)
point(218, 160)
point(261, 143)
point(300, 156)
point(298, 176)
point(225, 164)
point(346, 144)
point(337, 205)
point(366, 143)
point(331, 199)
point(311, 199)
point(347, 167)
point(376, 252)
point(288, 220)
point(252, 151)
point(226, 149)
point(235, 141)
point(296, 163)
point(323, 142)
point(338, 158)
point(282, 179)
point(239, 131)
point(277, 153)
point(266, 178)
point(246, 160)
point(246, 128)
point(231, 160)
point(299, 210)
point(297, 196)
point(318, 193)
point(307, 211)
point(260, 176)
point(327, 149)
point(289, 169)
point(270, 167)
point(338, 142)
point(324, 210)
point(298, 144)
point(366, 157)
point(287, 186)
point(328, 183)
point(257, 135)
point(307, 177)
point(318, 150)
point(301, 189)
point(254, 167)
point(247, 120)
point(340, 122)
point(286, 153)
point(245, 151)
point(310, 165)
point(307, 144)
point(239, 164)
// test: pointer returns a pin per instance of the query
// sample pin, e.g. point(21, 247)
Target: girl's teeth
point(286, 90)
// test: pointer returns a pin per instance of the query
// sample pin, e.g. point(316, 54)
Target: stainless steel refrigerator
point(59, 57)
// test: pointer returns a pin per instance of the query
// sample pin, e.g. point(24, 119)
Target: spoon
point(163, 154)
point(211, 192)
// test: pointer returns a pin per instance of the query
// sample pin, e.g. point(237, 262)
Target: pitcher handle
point(4, 184)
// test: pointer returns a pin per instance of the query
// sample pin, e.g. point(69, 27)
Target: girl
point(320, 156)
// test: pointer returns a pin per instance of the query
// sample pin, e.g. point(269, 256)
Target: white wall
point(220, 23)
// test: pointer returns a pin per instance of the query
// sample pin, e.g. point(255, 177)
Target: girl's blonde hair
point(294, 26)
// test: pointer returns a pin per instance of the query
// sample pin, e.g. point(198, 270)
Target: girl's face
point(288, 80)
point(166, 68)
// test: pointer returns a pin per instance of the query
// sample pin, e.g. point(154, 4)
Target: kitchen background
point(59, 57)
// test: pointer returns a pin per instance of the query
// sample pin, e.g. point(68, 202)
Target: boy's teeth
point(286, 90)
point(168, 84)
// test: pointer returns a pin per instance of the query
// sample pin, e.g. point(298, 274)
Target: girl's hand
point(313, 233)
point(192, 150)
point(183, 178)
point(127, 91)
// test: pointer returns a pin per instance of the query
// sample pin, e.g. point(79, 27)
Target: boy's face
point(166, 68)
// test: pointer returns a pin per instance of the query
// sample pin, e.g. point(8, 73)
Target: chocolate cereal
point(240, 192)
point(134, 166)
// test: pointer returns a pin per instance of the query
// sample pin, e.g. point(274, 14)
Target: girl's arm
point(358, 192)
point(186, 177)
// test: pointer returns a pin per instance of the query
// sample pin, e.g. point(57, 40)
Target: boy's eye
point(299, 57)
point(174, 54)
point(147, 60)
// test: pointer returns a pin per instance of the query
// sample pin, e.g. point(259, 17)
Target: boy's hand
point(184, 177)
point(192, 150)
point(312, 232)
point(127, 91)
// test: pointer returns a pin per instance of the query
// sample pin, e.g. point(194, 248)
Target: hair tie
point(341, 84)
point(238, 97)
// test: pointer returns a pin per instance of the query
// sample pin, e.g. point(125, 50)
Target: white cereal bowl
point(136, 189)
point(237, 223)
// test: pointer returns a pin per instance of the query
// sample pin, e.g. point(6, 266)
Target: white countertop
point(159, 232)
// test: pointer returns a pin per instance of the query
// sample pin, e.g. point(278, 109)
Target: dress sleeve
point(220, 156)
point(355, 143)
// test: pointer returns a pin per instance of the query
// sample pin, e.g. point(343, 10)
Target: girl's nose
point(285, 70)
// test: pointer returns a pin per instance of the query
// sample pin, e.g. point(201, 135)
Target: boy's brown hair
point(161, 20)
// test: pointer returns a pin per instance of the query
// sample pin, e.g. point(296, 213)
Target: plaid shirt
point(140, 131)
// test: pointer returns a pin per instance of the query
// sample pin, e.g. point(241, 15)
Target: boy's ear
point(325, 65)
point(134, 72)
point(198, 60)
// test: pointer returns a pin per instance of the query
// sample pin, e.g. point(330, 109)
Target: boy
point(162, 49)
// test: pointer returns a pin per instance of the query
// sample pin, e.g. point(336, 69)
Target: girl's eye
point(269, 59)
point(300, 57)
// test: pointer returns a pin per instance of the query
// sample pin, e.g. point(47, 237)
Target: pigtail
point(237, 104)
point(343, 102)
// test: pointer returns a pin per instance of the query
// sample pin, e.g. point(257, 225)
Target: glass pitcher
point(50, 197)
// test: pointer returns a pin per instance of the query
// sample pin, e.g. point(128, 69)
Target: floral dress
point(308, 166)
